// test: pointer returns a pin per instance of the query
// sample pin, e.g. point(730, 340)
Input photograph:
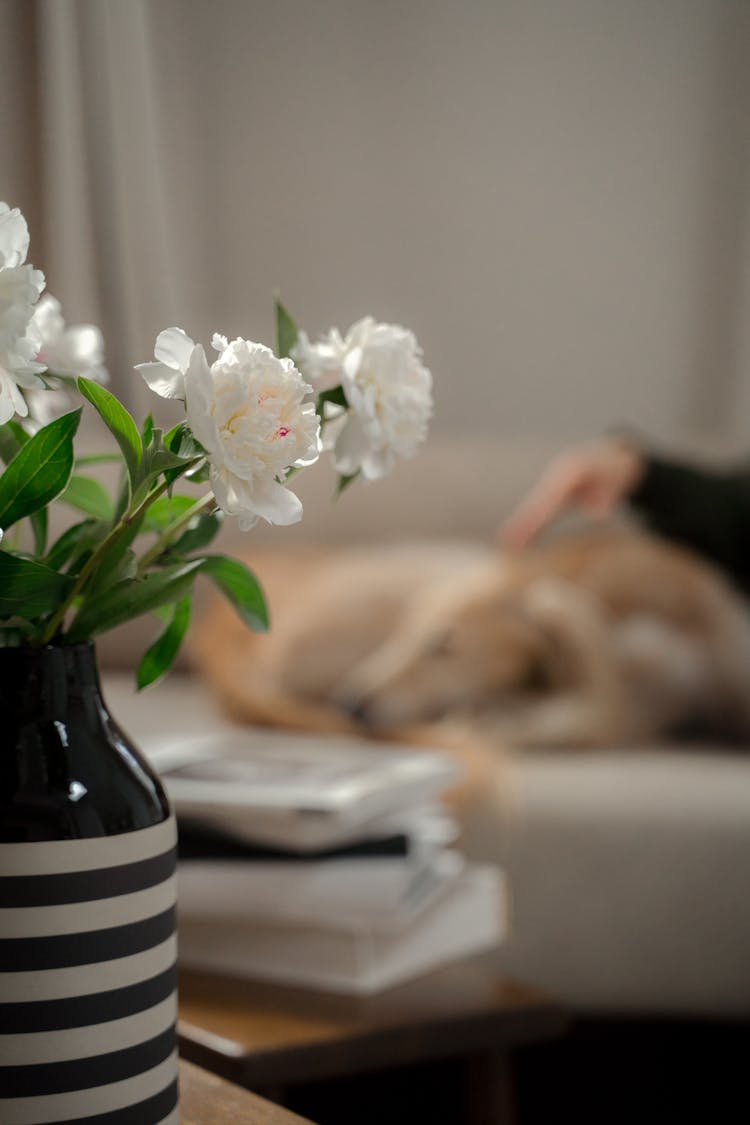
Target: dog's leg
point(483, 764)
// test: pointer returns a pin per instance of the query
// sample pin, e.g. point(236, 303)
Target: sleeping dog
point(605, 638)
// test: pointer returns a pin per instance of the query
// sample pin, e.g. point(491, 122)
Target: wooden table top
point(260, 1034)
point(206, 1099)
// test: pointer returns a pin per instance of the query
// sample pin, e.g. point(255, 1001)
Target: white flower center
point(256, 425)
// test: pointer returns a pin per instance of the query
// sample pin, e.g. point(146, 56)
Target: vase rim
point(78, 646)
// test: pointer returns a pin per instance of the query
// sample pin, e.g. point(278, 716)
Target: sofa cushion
point(630, 876)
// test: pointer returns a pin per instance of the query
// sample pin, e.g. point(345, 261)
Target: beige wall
point(552, 193)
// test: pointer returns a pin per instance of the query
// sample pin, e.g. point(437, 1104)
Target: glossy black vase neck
point(45, 683)
point(67, 770)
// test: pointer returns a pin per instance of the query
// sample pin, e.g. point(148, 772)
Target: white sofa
point(629, 869)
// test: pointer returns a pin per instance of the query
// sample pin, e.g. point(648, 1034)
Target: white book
point(382, 891)
point(297, 790)
point(355, 958)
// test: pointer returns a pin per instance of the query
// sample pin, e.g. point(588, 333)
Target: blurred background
point(553, 196)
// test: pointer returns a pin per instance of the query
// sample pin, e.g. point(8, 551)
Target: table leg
point(489, 1089)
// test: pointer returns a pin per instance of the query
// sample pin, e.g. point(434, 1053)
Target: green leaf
point(89, 496)
point(118, 422)
point(180, 441)
point(335, 395)
point(131, 598)
point(110, 562)
point(287, 332)
point(29, 589)
point(200, 474)
point(164, 613)
point(124, 493)
point(161, 655)
point(155, 462)
point(240, 587)
point(126, 567)
point(166, 510)
point(12, 437)
point(147, 432)
point(344, 481)
point(39, 471)
point(142, 493)
point(196, 538)
point(80, 537)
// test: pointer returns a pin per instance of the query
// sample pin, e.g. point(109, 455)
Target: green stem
point(98, 458)
point(14, 537)
point(169, 534)
point(119, 529)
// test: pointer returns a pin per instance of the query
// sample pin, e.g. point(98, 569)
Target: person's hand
point(594, 477)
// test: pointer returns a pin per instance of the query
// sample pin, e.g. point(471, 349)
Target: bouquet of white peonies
point(252, 419)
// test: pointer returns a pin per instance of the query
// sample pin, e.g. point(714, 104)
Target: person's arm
point(702, 508)
point(595, 477)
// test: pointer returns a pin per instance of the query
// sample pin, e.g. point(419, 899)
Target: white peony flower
point(247, 409)
point(75, 350)
point(320, 363)
point(388, 393)
point(20, 286)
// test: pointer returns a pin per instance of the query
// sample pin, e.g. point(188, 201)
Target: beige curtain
point(553, 195)
point(107, 220)
point(99, 195)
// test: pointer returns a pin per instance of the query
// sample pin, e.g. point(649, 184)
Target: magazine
point(299, 790)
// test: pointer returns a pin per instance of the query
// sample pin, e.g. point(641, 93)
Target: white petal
point(352, 446)
point(164, 381)
point(219, 342)
point(353, 362)
point(14, 236)
point(86, 342)
point(48, 318)
point(11, 400)
point(198, 399)
point(28, 376)
point(174, 348)
point(222, 493)
point(377, 464)
point(275, 503)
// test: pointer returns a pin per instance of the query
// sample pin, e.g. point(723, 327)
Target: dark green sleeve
point(701, 508)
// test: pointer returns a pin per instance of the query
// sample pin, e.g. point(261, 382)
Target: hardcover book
point(354, 955)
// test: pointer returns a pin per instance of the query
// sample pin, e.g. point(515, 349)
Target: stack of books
point(327, 863)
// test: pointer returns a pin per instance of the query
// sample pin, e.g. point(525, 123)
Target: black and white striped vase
point(87, 905)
